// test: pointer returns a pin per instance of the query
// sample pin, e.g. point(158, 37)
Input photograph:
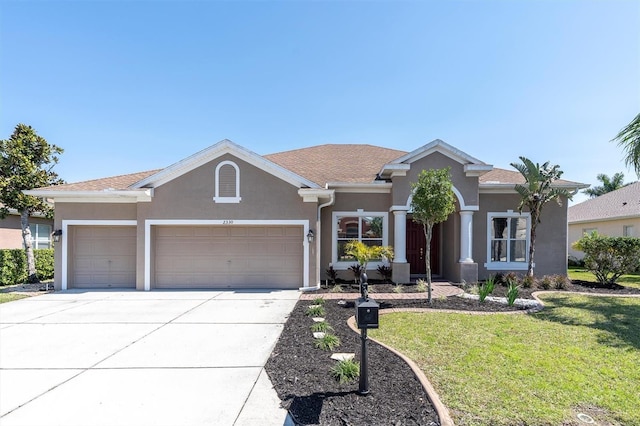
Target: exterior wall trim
point(80, 222)
point(222, 222)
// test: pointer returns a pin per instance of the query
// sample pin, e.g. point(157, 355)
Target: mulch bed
point(300, 372)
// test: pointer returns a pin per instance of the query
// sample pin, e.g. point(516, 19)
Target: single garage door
point(104, 257)
point(228, 256)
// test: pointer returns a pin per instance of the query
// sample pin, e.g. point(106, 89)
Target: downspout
point(319, 235)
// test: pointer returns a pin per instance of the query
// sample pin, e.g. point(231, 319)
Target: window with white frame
point(508, 240)
point(589, 230)
point(367, 227)
point(627, 230)
point(227, 183)
point(40, 236)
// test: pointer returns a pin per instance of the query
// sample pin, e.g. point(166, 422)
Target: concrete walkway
point(438, 289)
point(141, 358)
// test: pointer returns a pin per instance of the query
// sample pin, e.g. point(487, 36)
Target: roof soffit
point(215, 151)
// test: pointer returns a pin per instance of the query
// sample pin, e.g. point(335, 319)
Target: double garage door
point(190, 257)
point(228, 256)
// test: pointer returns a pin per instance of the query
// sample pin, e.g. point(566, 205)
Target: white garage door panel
point(104, 257)
point(228, 256)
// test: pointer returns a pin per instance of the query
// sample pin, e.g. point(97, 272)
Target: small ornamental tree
point(26, 162)
point(608, 258)
point(537, 191)
point(432, 202)
point(364, 254)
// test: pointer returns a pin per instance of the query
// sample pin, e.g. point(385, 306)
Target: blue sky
point(127, 86)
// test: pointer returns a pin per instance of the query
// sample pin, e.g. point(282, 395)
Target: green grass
point(539, 369)
point(8, 297)
point(577, 273)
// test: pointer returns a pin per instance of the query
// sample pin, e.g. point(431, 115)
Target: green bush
point(486, 288)
point(512, 293)
point(328, 342)
point(13, 265)
point(44, 263)
point(608, 258)
point(528, 281)
point(545, 283)
point(346, 371)
point(315, 311)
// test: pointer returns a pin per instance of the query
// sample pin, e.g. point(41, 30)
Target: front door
point(416, 244)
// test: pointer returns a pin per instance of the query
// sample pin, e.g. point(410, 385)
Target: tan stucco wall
point(551, 241)
point(611, 228)
point(467, 186)
point(190, 196)
point(11, 230)
point(351, 202)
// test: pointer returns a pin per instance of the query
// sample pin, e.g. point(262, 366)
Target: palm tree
point(535, 193)
point(629, 140)
point(608, 185)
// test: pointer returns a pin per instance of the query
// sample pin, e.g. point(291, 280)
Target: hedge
point(13, 265)
point(608, 258)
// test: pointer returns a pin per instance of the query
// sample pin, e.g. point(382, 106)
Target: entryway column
point(400, 271)
point(400, 236)
point(466, 233)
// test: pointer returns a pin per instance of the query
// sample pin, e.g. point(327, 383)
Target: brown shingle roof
point(114, 182)
point(348, 163)
point(623, 202)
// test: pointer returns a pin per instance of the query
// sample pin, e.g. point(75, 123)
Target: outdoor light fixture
point(310, 236)
point(56, 235)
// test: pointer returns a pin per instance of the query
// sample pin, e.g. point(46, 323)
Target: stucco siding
point(11, 230)
point(467, 186)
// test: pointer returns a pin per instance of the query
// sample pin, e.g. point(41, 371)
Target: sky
point(128, 86)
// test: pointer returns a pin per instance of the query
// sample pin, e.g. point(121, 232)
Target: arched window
point(227, 182)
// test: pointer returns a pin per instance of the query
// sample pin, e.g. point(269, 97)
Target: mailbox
point(367, 313)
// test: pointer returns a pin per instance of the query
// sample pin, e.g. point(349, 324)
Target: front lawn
point(581, 274)
point(579, 355)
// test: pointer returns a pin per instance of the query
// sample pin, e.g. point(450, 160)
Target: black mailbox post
point(366, 318)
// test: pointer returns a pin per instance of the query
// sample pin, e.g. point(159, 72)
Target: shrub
point(356, 268)
point(398, 288)
point(486, 288)
point(319, 301)
point(385, 272)
point(13, 266)
point(528, 281)
point(510, 278)
point(560, 282)
point(346, 371)
point(44, 263)
point(328, 342)
point(337, 288)
point(421, 285)
point(321, 327)
point(315, 311)
point(545, 283)
point(332, 274)
point(512, 293)
point(609, 257)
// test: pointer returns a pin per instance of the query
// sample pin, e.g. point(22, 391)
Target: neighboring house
point(615, 214)
point(227, 217)
point(11, 231)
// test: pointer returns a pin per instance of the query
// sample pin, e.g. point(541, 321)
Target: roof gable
point(209, 154)
point(472, 166)
point(618, 204)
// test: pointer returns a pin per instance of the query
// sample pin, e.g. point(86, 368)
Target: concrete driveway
point(141, 358)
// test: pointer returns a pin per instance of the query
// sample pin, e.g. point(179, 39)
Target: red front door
point(416, 244)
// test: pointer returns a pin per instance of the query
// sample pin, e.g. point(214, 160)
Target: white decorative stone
point(315, 306)
point(343, 356)
point(318, 319)
point(318, 334)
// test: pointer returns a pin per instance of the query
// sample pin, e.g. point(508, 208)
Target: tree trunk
point(32, 275)
point(428, 229)
point(532, 244)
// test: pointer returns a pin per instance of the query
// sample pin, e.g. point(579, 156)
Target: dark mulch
point(300, 372)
